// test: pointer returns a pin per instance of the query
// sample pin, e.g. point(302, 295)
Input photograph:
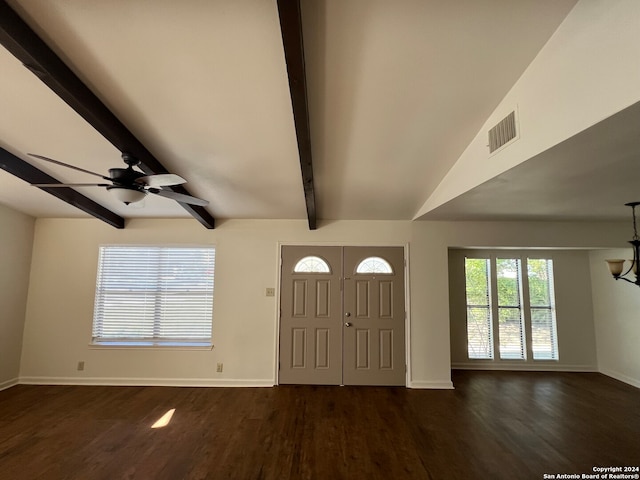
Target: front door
point(374, 316)
point(311, 314)
point(342, 316)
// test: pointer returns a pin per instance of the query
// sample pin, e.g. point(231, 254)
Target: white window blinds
point(479, 317)
point(510, 321)
point(509, 300)
point(147, 295)
point(544, 341)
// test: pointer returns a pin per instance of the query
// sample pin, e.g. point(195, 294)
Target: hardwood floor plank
point(494, 425)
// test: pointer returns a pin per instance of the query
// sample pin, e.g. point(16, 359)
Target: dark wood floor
point(495, 425)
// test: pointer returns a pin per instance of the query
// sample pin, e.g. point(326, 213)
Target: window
point(544, 341)
point(148, 295)
point(374, 265)
point(479, 317)
point(510, 321)
point(496, 296)
point(312, 265)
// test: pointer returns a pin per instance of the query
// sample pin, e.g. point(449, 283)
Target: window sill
point(515, 361)
point(150, 346)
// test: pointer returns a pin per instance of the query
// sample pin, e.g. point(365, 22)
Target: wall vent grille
point(504, 132)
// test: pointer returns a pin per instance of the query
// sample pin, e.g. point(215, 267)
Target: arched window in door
point(374, 265)
point(312, 264)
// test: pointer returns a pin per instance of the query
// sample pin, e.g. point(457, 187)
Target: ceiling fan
point(129, 185)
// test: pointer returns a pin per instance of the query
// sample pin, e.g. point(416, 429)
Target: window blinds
point(510, 299)
point(479, 318)
point(544, 341)
point(154, 295)
point(510, 321)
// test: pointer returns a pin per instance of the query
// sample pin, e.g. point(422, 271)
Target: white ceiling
point(589, 176)
point(396, 91)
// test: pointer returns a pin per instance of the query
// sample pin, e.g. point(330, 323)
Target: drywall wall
point(60, 308)
point(61, 294)
point(587, 71)
point(430, 242)
point(16, 241)
point(575, 328)
point(616, 308)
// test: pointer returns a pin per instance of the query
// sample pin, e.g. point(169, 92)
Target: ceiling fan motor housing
point(125, 176)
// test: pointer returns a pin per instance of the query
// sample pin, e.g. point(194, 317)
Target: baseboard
point(147, 382)
point(619, 376)
point(525, 367)
point(431, 385)
point(8, 384)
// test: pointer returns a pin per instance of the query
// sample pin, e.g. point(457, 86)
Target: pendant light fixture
point(616, 265)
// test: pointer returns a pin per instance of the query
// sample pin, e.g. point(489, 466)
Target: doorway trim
point(407, 299)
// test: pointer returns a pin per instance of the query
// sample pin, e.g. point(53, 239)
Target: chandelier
point(616, 265)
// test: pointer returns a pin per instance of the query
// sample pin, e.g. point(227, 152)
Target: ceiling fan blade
point(179, 197)
point(55, 185)
point(161, 180)
point(58, 162)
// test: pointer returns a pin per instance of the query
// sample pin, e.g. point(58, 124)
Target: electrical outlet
point(270, 292)
point(80, 366)
point(219, 367)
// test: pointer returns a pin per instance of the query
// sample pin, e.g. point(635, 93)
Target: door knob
point(347, 324)
point(347, 314)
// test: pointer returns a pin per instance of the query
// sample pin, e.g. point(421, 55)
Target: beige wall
point(575, 329)
point(61, 295)
point(16, 240)
point(429, 274)
point(616, 308)
point(60, 309)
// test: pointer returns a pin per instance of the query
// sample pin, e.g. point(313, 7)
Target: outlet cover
point(80, 366)
point(219, 368)
point(270, 292)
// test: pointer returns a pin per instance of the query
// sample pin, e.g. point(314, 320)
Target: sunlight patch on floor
point(164, 420)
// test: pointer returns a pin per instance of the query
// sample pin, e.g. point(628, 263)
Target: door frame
point(407, 299)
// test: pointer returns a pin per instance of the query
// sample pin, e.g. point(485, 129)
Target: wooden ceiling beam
point(27, 172)
point(291, 29)
point(21, 41)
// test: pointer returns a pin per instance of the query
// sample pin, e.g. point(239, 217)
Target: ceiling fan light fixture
point(128, 185)
point(127, 195)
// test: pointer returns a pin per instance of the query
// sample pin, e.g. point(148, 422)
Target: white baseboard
point(148, 382)
point(431, 385)
point(8, 384)
point(525, 367)
point(619, 376)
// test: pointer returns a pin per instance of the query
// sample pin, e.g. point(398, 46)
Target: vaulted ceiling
point(363, 121)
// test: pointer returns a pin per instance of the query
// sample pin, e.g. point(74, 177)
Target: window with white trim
point(505, 306)
point(510, 318)
point(154, 295)
point(544, 338)
point(479, 316)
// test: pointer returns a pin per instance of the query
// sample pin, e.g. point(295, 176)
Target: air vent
point(504, 132)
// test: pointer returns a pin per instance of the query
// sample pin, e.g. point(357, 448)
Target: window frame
point(525, 306)
point(489, 309)
point(98, 340)
point(377, 260)
point(315, 258)
point(551, 307)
